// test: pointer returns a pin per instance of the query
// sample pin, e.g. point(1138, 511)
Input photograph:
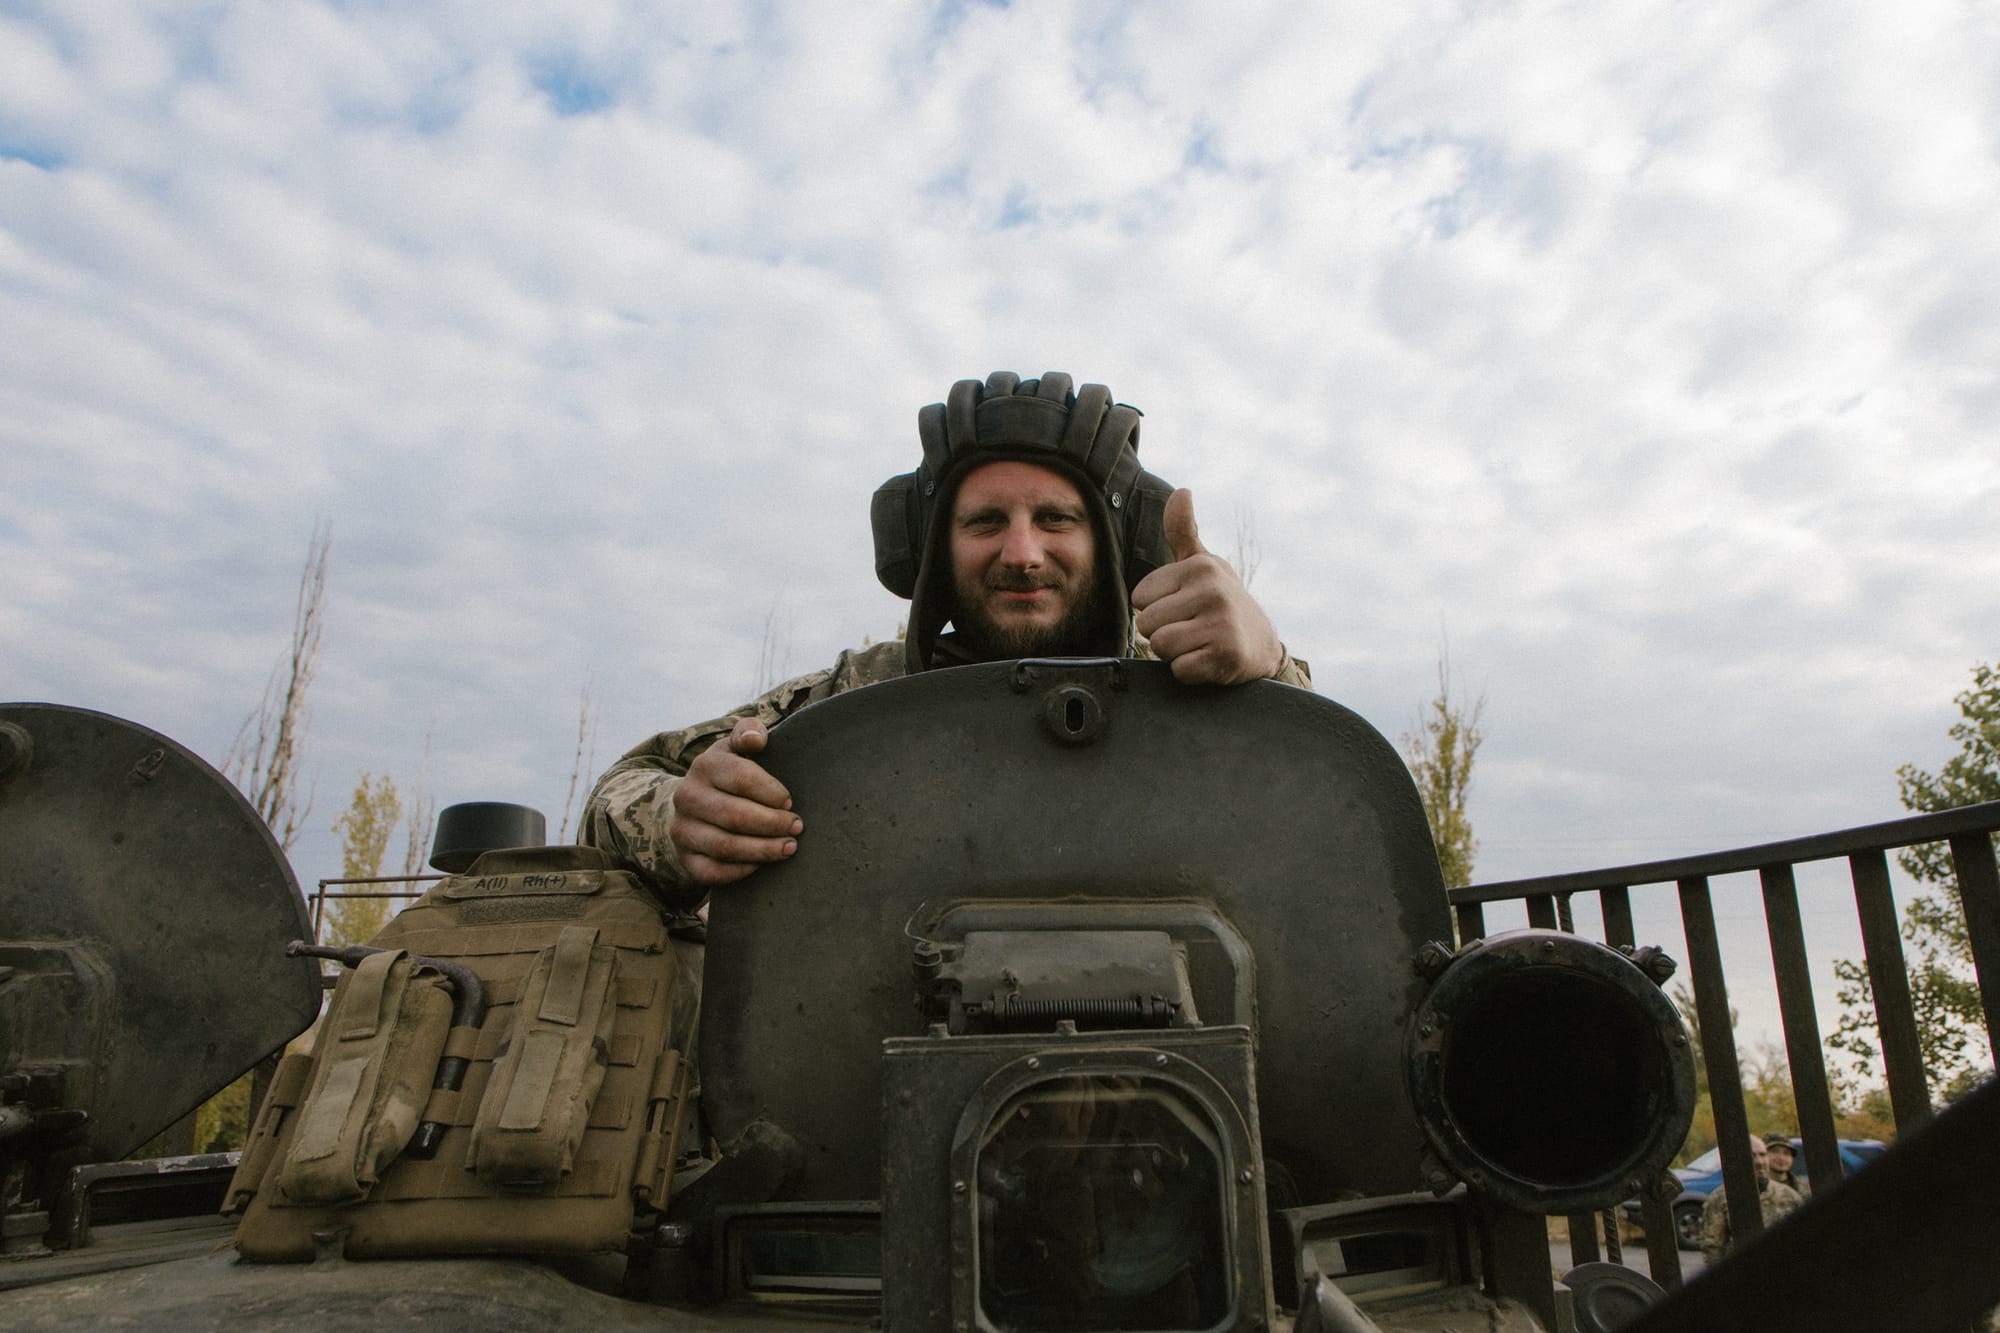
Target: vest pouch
point(377, 1055)
point(287, 1089)
point(549, 1068)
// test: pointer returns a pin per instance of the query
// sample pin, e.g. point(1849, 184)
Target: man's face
point(1780, 1155)
point(1023, 562)
point(1760, 1158)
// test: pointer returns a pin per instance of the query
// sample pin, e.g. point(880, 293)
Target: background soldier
point(1779, 1146)
point(1773, 1200)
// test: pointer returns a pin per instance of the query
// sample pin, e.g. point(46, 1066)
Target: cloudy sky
point(1646, 353)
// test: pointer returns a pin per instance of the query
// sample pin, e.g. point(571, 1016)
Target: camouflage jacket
point(632, 804)
point(1774, 1202)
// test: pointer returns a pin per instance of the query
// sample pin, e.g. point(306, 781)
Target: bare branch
point(577, 768)
point(423, 814)
point(774, 651)
point(264, 759)
point(1249, 553)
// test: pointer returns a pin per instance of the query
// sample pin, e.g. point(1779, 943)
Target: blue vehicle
point(1703, 1176)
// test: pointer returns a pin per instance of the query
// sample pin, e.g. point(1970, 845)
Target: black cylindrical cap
point(471, 827)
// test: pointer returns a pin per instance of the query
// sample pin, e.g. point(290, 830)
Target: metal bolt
point(1548, 946)
point(1160, 1061)
point(1034, 1062)
point(1247, 1176)
point(16, 747)
point(1116, 499)
point(1424, 1031)
point(958, 1187)
point(1680, 1039)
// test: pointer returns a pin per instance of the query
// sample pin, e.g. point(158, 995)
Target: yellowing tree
point(364, 830)
point(1440, 754)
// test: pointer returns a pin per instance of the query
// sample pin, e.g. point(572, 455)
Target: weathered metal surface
point(1287, 813)
point(339, 1296)
point(942, 1097)
point(1945, 824)
point(1810, 1093)
point(1718, 1047)
point(1979, 894)
point(1889, 984)
point(1550, 1072)
point(141, 901)
point(1470, 920)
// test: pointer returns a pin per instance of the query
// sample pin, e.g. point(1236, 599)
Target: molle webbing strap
point(666, 1105)
point(562, 999)
point(633, 992)
point(439, 1179)
point(453, 941)
point(361, 1017)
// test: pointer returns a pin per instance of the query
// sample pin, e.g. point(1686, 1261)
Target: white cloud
point(1646, 353)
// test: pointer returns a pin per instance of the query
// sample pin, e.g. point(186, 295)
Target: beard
point(1072, 635)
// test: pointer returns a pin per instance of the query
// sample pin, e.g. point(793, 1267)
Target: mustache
point(1016, 580)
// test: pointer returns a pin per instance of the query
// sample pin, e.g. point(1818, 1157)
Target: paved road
point(1634, 1258)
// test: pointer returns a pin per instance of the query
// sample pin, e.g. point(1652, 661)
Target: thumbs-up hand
point(1200, 618)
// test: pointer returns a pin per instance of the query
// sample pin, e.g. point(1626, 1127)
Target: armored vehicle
point(1094, 1001)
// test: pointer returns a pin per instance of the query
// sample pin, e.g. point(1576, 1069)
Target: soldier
point(1779, 1147)
point(1029, 530)
point(1773, 1200)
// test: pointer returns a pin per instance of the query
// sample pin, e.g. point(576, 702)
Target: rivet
point(1116, 499)
point(1034, 1062)
point(1160, 1062)
point(958, 1187)
point(930, 488)
point(1247, 1176)
point(1424, 1031)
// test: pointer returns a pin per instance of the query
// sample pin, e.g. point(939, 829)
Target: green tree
point(1937, 949)
point(364, 830)
point(1440, 753)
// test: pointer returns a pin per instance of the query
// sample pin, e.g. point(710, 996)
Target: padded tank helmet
point(1081, 434)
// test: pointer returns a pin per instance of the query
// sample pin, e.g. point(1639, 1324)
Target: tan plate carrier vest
point(570, 1109)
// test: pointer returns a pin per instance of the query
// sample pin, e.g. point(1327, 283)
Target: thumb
point(748, 736)
point(1183, 538)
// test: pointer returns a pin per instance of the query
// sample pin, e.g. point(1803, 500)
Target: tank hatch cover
point(144, 911)
point(978, 797)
